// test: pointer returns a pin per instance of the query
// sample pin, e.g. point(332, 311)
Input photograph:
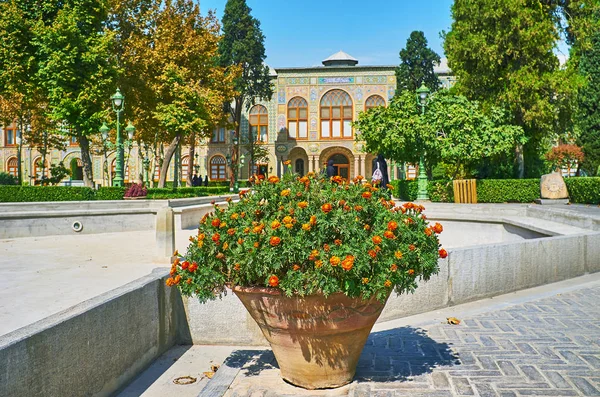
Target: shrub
point(310, 235)
point(185, 192)
point(8, 179)
point(21, 194)
point(508, 190)
point(136, 190)
point(110, 193)
point(584, 190)
point(439, 191)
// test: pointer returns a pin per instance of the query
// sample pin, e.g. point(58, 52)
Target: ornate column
point(310, 164)
point(356, 166)
point(317, 165)
point(362, 167)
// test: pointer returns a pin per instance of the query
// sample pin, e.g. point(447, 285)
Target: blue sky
point(303, 33)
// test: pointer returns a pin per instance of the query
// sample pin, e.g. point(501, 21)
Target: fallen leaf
point(209, 374)
point(214, 367)
point(453, 320)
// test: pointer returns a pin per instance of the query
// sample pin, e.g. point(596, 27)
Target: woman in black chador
point(330, 169)
point(381, 165)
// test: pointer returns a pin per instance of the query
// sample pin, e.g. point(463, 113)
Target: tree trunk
point(520, 159)
point(167, 160)
point(191, 163)
point(234, 152)
point(86, 159)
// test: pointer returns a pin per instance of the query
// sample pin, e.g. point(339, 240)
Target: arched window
point(113, 171)
point(300, 167)
point(185, 164)
point(336, 115)
point(298, 118)
point(259, 123)
point(218, 168)
point(12, 166)
point(341, 165)
point(37, 168)
point(374, 101)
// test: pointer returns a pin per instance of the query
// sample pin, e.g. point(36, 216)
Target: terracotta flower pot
point(317, 341)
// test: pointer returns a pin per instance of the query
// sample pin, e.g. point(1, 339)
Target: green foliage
point(508, 190)
point(504, 56)
point(186, 192)
point(588, 113)
point(309, 235)
point(110, 193)
point(58, 172)
point(584, 190)
point(439, 191)
point(416, 66)
point(8, 179)
point(22, 194)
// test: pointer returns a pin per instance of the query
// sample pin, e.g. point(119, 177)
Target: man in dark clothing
point(195, 180)
point(206, 180)
point(330, 169)
point(382, 165)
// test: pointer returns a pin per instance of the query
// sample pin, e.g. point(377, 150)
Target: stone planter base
point(317, 341)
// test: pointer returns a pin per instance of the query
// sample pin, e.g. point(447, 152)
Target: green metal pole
point(118, 181)
point(422, 178)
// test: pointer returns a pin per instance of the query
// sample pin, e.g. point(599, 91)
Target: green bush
point(584, 190)
point(439, 191)
point(110, 193)
point(508, 190)
point(8, 179)
point(21, 194)
point(186, 192)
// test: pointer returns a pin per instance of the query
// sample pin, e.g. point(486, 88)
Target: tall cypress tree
point(416, 66)
point(243, 46)
point(588, 113)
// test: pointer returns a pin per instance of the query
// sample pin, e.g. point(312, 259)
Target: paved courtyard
point(544, 347)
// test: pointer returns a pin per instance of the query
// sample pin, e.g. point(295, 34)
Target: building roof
point(442, 67)
point(340, 58)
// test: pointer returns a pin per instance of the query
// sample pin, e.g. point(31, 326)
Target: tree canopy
point(416, 65)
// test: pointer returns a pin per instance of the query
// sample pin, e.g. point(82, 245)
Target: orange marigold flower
point(299, 194)
point(225, 245)
point(313, 220)
point(318, 263)
point(275, 224)
point(326, 208)
point(240, 241)
point(387, 283)
point(342, 203)
point(398, 255)
point(365, 280)
point(273, 281)
point(377, 239)
point(390, 187)
point(235, 215)
point(334, 260)
point(170, 282)
point(291, 211)
point(185, 265)
point(216, 237)
point(389, 234)
point(296, 267)
point(289, 225)
point(326, 247)
point(438, 228)
point(188, 281)
point(306, 227)
point(428, 232)
point(358, 208)
point(231, 232)
point(200, 243)
point(367, 227)
point(337, 179)
point(348, 262)
point(337, 241)
point(394, 267)
point(304, 179)
point(257, 229)
point(288, 219)
point(274, 241)
point(392, 225)
point(201, 236)
point(285, 193)
point(302, 204)
point(177, 279)
point(367, 195)
point(220, 255)
point(360, 177)
point(256, 244)
point(377, 248)
point(223, 225)
point(175, 262)
point(237, 267)
point(411, 272)
point(216, 222)
point(372, 253)
point(443, 253)
point(412, 247)
point(272, 179)
point(246, 230)
point(287, 162)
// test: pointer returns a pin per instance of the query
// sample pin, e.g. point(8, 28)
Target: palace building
point(308, 121)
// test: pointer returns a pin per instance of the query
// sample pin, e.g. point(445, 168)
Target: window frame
point(218, 165)
point(342, 119)
point(297, 120)
point(218, 135)
point(13, 135)
point(257, 111)
point(367, 106)
point(12, 169)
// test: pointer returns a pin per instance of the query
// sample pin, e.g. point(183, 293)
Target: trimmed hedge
point(584, 190)
point(110, 193)
point(186, 192)
point(508, 190)
point(439, 191)
point(21, 194)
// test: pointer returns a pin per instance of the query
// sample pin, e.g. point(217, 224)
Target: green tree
point(454, 131)
point(416, 66)
point(588, 112)
point(77, 70)
point(243, 46)
point(503, 56)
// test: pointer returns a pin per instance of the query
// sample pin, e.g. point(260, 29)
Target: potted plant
point(314, 261)
point(135, 192)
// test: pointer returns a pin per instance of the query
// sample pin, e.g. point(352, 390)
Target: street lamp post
point(19, 141)
point(422, 93)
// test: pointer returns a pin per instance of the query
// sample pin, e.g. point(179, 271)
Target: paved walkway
point(543, 347)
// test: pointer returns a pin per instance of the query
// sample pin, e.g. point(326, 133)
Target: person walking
point(380, 173)
point(330, 169)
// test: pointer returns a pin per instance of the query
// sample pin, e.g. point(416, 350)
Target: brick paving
point(548, 347)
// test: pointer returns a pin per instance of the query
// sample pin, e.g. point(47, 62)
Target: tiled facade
point(321, 133)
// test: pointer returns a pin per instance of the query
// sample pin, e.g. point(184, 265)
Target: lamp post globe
point(104, 131)
point(130, 129)
point(118, 101)
point(422, 195)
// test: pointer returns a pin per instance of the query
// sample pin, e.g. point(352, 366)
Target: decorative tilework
point(280, 122)
point(375, 79)
point(314, 108)
point(281, 96)
point(281, 109)
point(297, 80)
point(358, 94)
point(313, 123)
point(359, 79)
point(297, 91)
point(336, 80)
point(313, 95)
point(313, 80)
point(391, 92)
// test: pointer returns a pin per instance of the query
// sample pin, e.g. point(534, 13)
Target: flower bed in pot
point(314, 261)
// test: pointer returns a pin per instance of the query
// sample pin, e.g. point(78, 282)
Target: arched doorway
point(341, 165)
point(76, 167)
